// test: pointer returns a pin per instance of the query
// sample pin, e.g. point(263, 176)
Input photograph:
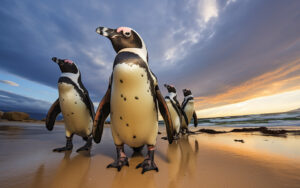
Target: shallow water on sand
point(27, 160)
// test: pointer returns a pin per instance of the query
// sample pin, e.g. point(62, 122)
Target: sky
point(237, 56)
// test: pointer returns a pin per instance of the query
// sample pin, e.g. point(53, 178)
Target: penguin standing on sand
point(175, 109)
point(131, 99)
point(74, 103)
point(187, 106)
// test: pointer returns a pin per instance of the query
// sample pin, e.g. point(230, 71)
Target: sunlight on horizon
point(268, 104)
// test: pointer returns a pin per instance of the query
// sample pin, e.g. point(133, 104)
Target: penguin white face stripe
point(172, 95)
point(188, 96)
point(73, 77)
point(142, 52)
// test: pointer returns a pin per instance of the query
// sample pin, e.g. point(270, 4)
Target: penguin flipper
point(91, 105)
point(103, 111)
point(185, 117)
point(182, 113)
point(195, 119)
point(52, 114)
point(177, 103)
point(87, 99)
point(164, 111)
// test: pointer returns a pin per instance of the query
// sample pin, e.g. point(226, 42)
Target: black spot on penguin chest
point(133, 59)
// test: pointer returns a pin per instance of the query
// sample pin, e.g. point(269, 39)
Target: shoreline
point(197, 160)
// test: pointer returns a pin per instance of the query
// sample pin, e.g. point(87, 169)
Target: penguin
point(175, 109)
point(187, 107)
point(132, 99)
point(75, 105)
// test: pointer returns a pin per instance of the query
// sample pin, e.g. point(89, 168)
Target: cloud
point(9, 83)
point(192, 26)
point(244, 46)
point(282, 79)
point(282, 102)
point(228, 2)
point(13, 102)
point(212, 47)
point(208, 9)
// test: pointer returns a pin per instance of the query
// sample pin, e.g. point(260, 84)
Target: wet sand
point(202, 160)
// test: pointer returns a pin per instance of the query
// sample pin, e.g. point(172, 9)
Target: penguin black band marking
point(131, 58)
point(186, 101)
point(84, 96)
point(174, 106)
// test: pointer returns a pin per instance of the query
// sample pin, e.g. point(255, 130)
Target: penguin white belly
point(174, 116)
point(76, 115)
point(133, 113)
point(189, 110)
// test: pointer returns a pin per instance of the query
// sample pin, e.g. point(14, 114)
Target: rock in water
point(15, 116)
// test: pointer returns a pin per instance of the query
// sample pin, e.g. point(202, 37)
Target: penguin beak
point(107, 32)
point(55, 60)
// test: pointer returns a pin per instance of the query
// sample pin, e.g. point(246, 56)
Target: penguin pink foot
point(68, 147)
point(148, 164)
point(121, 161)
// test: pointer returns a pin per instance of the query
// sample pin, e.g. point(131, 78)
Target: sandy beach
point(201, 160)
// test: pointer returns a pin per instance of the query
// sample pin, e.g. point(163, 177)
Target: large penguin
point(131, 99)
point(74, 103)
point(175, 109)
point(187, 107)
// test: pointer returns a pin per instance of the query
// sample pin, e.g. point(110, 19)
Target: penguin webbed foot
point(87, 146)
point(65, 148)
point(176, 137)
point(119, 163)
point(147, 165)
point(68, 147)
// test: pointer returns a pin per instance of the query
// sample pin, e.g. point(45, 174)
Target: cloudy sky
point(237, 56)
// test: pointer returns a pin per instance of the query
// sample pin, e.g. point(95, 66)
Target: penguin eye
point(127, 34)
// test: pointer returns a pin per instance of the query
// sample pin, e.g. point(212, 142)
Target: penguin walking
point(187, 107)
point(175, 109)
point(131, 99)
point(75, 105)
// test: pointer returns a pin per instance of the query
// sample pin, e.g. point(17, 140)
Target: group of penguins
point(132, 100)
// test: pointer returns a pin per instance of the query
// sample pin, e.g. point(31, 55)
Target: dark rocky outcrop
point(239, 140)
point(15, 116)
point(210, 131)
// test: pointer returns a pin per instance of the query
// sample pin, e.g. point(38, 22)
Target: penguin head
point(66, 65)
point(170, 88)
point(123, 37)
point(186, 92)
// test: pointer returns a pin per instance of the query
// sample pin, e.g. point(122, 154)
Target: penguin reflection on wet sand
point(131, 99)
point(187, 107)
point(175, 109)
point(75, 105)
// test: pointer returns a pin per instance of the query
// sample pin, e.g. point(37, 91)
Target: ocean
point(291, 118)
point(266, 120)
